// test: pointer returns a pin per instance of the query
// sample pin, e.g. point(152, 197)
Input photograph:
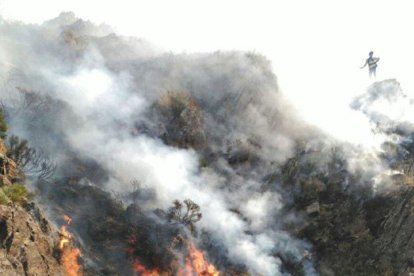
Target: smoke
point(386, 105)
point(78, 91)
point(99, 90)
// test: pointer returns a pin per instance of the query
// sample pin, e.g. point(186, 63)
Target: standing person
point(372, 64)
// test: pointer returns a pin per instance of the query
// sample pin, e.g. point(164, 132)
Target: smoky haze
point(106, 85)
point(98, 91)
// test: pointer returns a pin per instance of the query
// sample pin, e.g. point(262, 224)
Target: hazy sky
point(316, 47)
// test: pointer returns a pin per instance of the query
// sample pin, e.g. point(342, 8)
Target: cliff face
point(395, 240)
point(27, 239)
point(354, 236)
point(27, 243)
point(355, 231)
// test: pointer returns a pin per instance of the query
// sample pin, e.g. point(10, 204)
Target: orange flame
point(69, 254)
point(138, 267)
point(65, 237)
point(67, 219)
point(197, 265)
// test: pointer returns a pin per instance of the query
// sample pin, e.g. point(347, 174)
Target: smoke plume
point(85, 95)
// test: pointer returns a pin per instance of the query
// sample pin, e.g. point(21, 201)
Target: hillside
point(28, 241)
point(153, 163)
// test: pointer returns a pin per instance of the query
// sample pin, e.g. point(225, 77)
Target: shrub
point(3, 198)
point(3, 126)
point(182, 118)
point(173, 103)
point(16, 193)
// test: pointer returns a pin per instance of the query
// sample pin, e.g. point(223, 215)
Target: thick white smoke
point(109, 82)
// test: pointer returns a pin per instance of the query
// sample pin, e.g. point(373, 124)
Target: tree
point(31, 161)
point(186, 214)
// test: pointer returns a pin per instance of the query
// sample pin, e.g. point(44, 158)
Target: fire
point(197, 265)
point(67, 219)
point(70, 262)
point(65, 237)
point(69, 254)
point(138, 267)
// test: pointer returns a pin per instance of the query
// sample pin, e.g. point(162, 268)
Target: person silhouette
point(372, 64)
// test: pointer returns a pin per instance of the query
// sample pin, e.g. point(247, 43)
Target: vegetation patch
point(16, 193)
point(3, 125)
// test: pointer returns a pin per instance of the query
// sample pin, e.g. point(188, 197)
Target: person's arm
point(366, 62)
point(377, 59)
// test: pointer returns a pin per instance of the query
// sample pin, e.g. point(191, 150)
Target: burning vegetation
point(69, 254)
point(193, 263)
point(186, 259)
point(258, 184)
point(196, 264)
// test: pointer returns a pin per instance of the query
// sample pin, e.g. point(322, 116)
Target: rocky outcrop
point(27, 246)
point(27, 239)
point(395, 242)
point(353, 235)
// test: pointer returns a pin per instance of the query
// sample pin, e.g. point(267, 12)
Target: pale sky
point(316, 47)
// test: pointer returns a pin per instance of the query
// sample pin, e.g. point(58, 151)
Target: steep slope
point(137, 134)
point(27, 239)
point(206, 127)
point(355, 234)
point(27, 243)
point(395, 243)
point(355, 229)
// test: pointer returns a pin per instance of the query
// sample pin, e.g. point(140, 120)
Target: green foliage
point(3, 198)
point(182, 119)
point(3, 125)
point(16, 193)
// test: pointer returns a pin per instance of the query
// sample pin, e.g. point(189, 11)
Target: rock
point(4, 181)
point(3, 148)
point(27, 246)
point(396, 232)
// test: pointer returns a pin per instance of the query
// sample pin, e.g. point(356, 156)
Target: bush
point(182, 118)
point(3, 198)
point(3, 126)
point(16, 193)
